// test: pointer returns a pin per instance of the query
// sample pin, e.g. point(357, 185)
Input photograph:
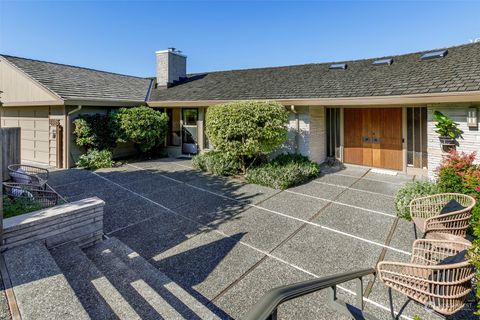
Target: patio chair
point(21, 173)
point(31, 193)
point(442, 213)
point(439, 275)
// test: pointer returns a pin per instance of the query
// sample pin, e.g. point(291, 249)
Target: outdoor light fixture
point(472, 118)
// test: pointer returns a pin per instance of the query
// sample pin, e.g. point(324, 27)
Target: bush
point(145, 127)
point(284, 171)
point(411, 191)
point(95, 159)
point(94, 132)
point(247, 129)
point(458, 173)
point(216, 162)
point(16, 206)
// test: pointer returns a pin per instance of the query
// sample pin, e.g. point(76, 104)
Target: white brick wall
point(317, 134)
point(303, 137)
point(471, 136)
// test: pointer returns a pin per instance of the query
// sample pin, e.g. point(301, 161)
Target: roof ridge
point(338, 61)
point(73, 66)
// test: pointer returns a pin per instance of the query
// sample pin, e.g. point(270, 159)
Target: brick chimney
point(171, 67)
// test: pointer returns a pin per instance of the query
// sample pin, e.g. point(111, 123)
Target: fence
point(10, 149)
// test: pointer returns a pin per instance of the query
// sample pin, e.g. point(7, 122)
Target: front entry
point(373, 137)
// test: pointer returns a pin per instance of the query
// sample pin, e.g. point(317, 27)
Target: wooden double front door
point(373, 137)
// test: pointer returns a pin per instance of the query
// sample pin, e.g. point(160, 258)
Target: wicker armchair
point(426, 215)
point(32, 193)
point(25, 174)
point(429, 278)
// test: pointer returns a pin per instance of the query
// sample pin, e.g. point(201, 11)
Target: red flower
point(477, 188)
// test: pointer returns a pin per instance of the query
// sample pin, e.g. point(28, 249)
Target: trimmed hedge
point(217, 163)
point(95, 159)
point(283, 172)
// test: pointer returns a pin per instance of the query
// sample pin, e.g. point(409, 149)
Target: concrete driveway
point(228, 242)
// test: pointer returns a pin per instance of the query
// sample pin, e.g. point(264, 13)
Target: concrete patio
point(227, 242)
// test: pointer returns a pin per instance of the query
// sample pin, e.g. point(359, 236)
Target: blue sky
point(123, 36)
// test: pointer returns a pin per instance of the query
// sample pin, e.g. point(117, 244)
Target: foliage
point(446, 127)
point(247, 129)
point(146, 127)
point(16, 206)
point(411, 191)
point(458, 173)
point(284, 171)
point(474, 255)
point(94, 132)
point(216, 162)
point(95, 159)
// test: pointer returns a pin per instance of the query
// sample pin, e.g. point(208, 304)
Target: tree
point(144, 126)
point(247, 129)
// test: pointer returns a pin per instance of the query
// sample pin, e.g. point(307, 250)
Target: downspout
point(297, 127)
point(68, 133)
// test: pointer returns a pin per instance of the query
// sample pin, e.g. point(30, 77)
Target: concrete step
point(174, 299)
point(41, 290)
point(98, 296)
point(134, 285)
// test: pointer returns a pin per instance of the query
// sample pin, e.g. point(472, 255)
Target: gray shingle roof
point(70, 82)
point(459, 71)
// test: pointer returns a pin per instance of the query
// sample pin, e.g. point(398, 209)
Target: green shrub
point(411, 191)
point(94, 132)
point(144, 126)
point(247, 129)
point(283, 172)
point(16, 206)
point(216, 162)
point(95, 159)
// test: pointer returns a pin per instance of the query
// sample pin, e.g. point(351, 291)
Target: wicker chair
point(426, 215)
point(25, 174)
point(28, 192)
point(428, 280)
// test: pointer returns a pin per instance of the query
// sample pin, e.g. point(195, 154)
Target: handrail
point(269, 303)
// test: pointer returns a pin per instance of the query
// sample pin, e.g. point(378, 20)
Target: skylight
point(387, 61)
point(338, 66)
point(434, 54)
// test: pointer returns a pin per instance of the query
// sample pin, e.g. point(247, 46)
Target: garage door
point(35, 131)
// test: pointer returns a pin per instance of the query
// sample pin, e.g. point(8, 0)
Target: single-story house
point(373, 112)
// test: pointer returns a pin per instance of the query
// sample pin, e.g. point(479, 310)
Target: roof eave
point(49, 103)
point(469, 96)
point(99, 102)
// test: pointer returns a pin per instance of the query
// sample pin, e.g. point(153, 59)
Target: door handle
point(376, 140)
point(366, 139)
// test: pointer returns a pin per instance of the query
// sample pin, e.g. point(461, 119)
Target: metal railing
point(266, 308)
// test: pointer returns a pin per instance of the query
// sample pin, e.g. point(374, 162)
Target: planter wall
point(80, 222)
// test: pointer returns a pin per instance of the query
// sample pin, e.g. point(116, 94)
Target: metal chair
point(21, 173)
point(31, 193)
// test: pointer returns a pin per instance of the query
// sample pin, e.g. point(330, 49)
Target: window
point(417, 156)
point(338, 66)
point(434, 54)
point(333, 132)
point(382, 62)
point(190, 117)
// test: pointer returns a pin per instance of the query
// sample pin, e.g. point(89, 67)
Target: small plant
point(283, 172)
point(216, 162)
point(446, 127)
point(17, 206)
point(95, 159)
point(144, 126)
point(411, 191)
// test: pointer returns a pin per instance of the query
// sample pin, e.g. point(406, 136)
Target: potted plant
point(447, 129)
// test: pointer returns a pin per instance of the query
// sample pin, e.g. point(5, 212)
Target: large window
point(417, 156)
point(333, 132)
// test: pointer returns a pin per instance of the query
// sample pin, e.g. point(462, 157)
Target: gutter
point(67, 132)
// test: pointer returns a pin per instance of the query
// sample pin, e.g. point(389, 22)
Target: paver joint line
point(267, 254)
